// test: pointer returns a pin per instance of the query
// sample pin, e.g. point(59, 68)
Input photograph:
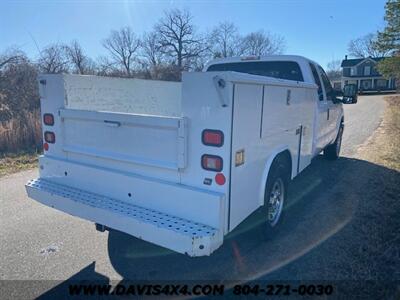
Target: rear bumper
point(175, 233)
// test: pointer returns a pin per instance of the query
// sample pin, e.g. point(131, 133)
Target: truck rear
point(176, 164)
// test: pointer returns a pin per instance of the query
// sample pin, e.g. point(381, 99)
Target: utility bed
point(176, 164)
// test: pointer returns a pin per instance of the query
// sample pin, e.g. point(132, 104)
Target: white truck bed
point(138, 96)
point(129, 152)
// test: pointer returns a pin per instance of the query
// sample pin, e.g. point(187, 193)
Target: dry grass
point(15, 162)
point(20, 133)
point(383, 147)
point(20, 139)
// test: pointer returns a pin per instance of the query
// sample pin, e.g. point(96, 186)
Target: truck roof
point(301, 60)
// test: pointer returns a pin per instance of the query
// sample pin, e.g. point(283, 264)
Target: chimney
point(345, 57)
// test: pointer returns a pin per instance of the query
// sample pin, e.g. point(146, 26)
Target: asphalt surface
point(314, 242)
point(361, 120)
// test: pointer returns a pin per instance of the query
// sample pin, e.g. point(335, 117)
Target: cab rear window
point(289, 70)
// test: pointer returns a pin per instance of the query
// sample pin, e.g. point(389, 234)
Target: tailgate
point(157, 141)
point(125, 130)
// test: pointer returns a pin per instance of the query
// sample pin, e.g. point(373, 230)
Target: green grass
point(15, 162)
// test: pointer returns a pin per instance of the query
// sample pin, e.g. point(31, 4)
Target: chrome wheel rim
point(275, 202)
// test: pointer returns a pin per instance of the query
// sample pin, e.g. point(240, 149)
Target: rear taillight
point(50, 137)
point(220, 179)
point(212, 137)
point(48, 119)
point(211, 162)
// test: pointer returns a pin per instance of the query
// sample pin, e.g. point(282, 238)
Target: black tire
point(279, 175)
point(332, 151)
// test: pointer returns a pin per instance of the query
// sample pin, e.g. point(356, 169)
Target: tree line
point(173, 45)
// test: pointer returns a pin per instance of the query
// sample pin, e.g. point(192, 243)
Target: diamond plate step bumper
point(178, 234)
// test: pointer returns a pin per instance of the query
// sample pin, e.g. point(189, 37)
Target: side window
point(327, 84)
point(317, 81)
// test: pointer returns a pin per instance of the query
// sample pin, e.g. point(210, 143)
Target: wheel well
point(285, 155)
point(287, 158)
point(282, 156)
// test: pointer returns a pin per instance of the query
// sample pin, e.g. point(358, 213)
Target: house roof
point(356, 61)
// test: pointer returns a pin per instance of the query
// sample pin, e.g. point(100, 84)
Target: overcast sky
point(318, 29)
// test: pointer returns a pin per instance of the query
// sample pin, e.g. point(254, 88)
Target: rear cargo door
point(143, 144)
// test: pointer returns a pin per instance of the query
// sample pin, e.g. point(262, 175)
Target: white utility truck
point(181, 165)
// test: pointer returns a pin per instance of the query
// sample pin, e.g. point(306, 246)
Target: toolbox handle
point(112, 123)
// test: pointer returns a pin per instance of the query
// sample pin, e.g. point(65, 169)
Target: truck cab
point(329, 114)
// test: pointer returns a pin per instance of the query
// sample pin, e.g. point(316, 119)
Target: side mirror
point(334, 94)
point(350, 94)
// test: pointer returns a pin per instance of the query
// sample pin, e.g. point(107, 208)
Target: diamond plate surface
point(156, 218)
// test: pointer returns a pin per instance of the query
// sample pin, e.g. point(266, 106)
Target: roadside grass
point(15, 162)
point(22, 131)
point(383, 148)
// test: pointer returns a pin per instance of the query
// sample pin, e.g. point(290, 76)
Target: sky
point(317, 29)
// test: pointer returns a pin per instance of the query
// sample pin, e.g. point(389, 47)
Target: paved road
point(40, 243)
point(360, 120)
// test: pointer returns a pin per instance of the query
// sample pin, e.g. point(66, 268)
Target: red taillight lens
point(50, 137)
point(211, 137)
point(220, 179)
point(211, 162)
point(48, 119)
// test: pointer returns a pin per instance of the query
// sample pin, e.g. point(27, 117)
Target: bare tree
point(178, 38)
point(334, 70)
point(225, 40)
point(53, 59)
point(167, 72)
point(122, 45)
point(81, 63)
point(262, 43)
point(151, 50)
point(11, 55)
point(365, 46)
point(104, 66)
point(19, 102)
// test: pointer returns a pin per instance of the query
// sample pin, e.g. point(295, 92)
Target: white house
point(363, 73)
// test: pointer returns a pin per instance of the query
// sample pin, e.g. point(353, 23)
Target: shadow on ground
point(341, 224)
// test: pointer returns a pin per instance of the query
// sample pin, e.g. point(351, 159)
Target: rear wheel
point(332, 151)
point(276, 193)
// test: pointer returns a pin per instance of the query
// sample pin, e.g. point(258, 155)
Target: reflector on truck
point(211, 162)
point(50, 137)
